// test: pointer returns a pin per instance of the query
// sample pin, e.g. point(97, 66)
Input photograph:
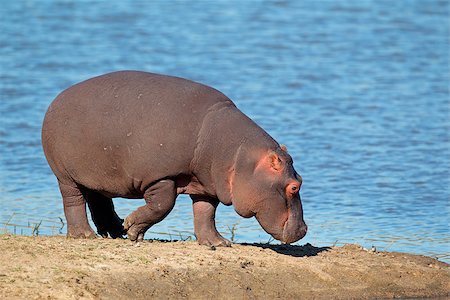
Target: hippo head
point(265, 185)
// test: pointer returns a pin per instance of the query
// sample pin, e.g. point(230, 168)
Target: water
point(357, 90)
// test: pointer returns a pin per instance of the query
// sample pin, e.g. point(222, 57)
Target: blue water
point(357, 90)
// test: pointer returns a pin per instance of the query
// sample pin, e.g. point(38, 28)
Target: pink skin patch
point(292, 189)
point(270, 162)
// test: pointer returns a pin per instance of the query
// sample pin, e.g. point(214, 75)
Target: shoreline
point(61, 268)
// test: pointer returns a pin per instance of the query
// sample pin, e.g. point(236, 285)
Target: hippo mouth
point(294, 228)
point(293, 232)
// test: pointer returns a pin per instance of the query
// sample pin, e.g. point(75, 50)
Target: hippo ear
point(284, 148)
point(275, 161)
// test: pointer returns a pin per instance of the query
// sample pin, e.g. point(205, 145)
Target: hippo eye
point(292, 189)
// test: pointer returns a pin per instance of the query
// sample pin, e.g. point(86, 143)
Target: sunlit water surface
point(358, 91)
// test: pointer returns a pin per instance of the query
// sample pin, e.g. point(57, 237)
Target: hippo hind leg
point(75, 211)
point(204, 222)
point(103, 214)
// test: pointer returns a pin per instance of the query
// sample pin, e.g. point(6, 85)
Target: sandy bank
point(60, 268)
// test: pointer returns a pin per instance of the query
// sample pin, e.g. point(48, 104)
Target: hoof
point(217, 242)
point(114, 233)
point(77, 233)
point(134, 231)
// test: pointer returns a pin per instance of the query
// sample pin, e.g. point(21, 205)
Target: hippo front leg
point(160, 199)
point(204, 222)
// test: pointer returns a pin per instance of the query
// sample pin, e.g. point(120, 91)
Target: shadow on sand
point(291, 250)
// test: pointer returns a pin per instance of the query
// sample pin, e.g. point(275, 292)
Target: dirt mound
point(60, 268)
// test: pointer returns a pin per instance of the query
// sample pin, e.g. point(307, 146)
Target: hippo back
point(121, 131)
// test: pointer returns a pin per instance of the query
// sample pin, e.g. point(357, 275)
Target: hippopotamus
point(134, 134)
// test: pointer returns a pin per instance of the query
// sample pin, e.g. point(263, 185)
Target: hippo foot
point(135, 230)
point(81, 233)
point(114, 231)
point(216, 241)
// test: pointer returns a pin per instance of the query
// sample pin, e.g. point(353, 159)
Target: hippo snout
point(286, 226)
point(293, 232)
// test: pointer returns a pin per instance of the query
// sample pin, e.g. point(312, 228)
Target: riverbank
point(60, 268)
